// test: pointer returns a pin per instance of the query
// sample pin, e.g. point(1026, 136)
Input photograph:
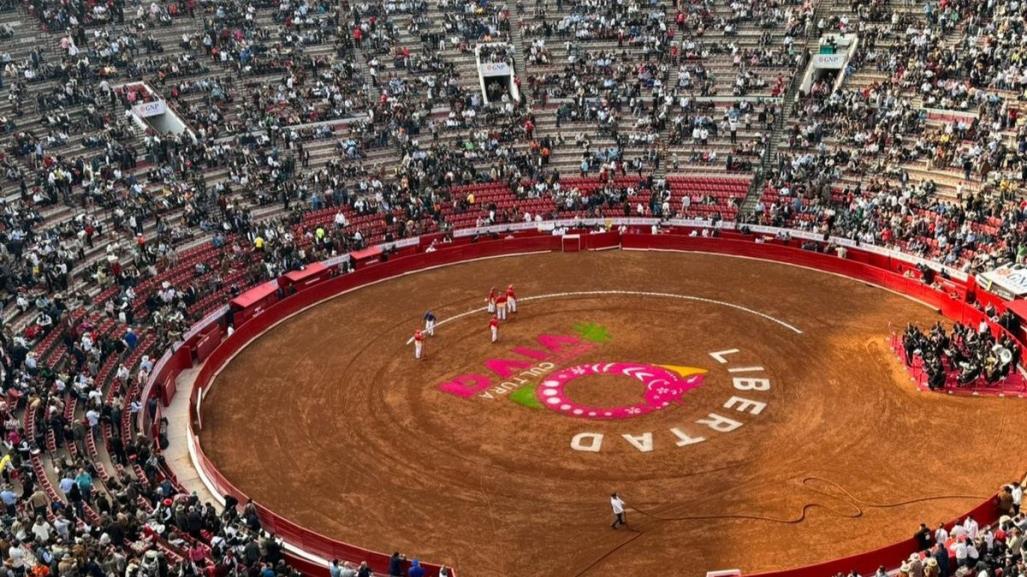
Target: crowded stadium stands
point(316, 128)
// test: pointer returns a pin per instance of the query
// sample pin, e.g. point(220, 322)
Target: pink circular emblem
point(663, 388)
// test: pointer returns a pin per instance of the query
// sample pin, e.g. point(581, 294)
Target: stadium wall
point(310, 551)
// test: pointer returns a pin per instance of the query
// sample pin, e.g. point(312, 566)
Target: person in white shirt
point(961, 553)
point(63, 527)
point(618, 511)
point(989, 538)
point(18, 557)
point(971, 527)
point(941, 535)
point(1017, 491)
point(93, 418)
point(41, 530)
point(972, 554)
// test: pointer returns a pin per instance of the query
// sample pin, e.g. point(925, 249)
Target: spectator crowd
point(316, 128)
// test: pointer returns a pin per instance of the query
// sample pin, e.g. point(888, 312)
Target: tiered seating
point(708, 197)
point(294, 101)
point(487, 198)
point(45, 346)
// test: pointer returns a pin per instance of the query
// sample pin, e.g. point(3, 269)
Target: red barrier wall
point(868, 562)
point(874, 268)
point(207, 343)
point(952, 308)
point(179, 361)
point(265, 316)
point(599, 241)
point(298, 280)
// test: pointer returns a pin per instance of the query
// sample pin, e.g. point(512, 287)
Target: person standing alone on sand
point(618, 511)
point(418, 343)
point(429, 323)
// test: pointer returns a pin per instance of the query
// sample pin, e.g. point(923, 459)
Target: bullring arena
point(768, 260)
point(792, 440)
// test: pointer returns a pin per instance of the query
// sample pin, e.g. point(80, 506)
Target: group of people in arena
point(971, 549)
point(318, 128)
point(967, 352)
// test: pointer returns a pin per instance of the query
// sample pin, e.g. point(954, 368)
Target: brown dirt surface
point(329, 421)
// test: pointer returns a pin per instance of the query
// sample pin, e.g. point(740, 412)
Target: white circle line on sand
point(788, 326)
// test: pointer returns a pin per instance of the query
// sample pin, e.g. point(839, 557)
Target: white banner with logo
point(404, 242)
point(702, 223)
point(1009, 279)
point(336, 260)
point(495, 69)
point(607, 222)
point(148, 109)
point(829, 61)
point(946, 115)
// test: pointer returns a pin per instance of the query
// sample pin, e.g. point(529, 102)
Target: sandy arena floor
point(328, 420)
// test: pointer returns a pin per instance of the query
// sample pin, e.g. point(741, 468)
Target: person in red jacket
point(494, 328)
point(511, 299)
point(501, 306)
point(490, 301)
point(418, 343)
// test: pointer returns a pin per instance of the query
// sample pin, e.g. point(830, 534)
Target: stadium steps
point(517, 41)
point(770, 153)
point(361, 60)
